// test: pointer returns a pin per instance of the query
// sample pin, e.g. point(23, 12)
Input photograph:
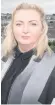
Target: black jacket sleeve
point(49, 90)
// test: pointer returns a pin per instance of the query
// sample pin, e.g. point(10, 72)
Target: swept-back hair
point(10, 42)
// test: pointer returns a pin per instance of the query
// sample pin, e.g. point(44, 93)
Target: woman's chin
point(25, 42)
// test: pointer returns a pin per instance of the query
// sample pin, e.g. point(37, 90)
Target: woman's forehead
point(27, 14)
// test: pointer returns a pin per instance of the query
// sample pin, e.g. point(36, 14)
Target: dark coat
point(36, 83)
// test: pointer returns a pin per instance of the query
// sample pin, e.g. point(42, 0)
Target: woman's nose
point(25, 29)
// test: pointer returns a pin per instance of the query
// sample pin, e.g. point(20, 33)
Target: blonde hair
point(10, 42)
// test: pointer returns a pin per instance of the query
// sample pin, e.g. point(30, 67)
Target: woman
point(28, 74)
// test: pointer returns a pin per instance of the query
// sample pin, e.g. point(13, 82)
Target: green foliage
point(52, 45)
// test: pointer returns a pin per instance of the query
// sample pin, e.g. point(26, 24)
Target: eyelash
point(34, 24)
point(18, 24)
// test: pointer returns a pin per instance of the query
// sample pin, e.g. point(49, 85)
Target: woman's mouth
point(25, 37)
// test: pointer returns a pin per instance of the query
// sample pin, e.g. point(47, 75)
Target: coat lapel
point(38, 80)
point(5, 66)
point(20, 82)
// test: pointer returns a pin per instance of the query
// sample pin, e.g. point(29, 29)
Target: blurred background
point(7, 7)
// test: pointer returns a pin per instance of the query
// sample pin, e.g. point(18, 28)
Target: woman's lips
point(25, 37)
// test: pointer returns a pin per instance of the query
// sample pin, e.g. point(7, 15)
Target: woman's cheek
point(15, 31)
point(36, 35)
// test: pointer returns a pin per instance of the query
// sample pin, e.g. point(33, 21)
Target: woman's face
point(27, 27)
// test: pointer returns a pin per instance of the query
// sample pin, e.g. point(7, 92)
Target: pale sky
point(9, 5)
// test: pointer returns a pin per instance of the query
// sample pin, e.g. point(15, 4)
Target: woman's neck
point(26, 48)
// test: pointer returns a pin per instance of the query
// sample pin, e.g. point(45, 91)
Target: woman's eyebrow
point(19, 21)
point(28, 21)
point(33, 21)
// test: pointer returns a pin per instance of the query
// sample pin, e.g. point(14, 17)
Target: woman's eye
point(34, 24)
point(18, 24)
